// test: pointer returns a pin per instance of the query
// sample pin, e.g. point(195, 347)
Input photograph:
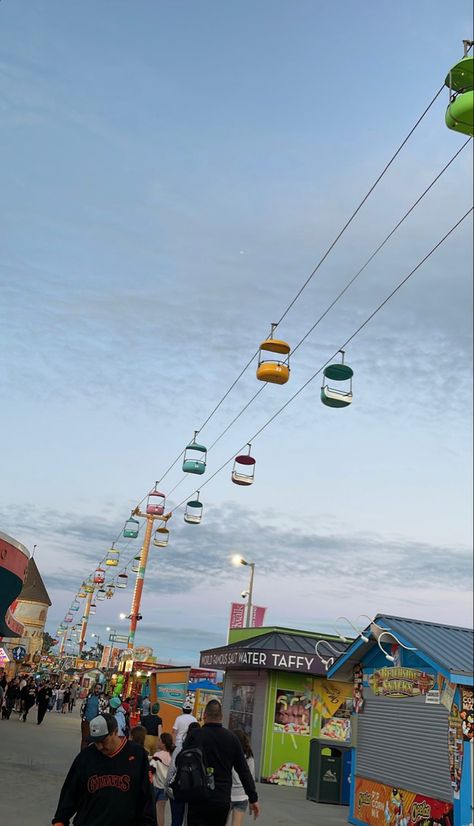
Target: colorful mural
point(298, 706)
point(378, 805)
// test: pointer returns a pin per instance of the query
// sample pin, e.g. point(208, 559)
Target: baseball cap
point(100, 727)
point(115, 702)
point(187, 706)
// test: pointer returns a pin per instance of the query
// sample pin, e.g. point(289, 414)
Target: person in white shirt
point(182, 723)
point(239, 800)
point(146, 706)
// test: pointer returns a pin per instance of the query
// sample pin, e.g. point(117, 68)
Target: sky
point(172, 172)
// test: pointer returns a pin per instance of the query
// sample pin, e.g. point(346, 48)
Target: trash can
point(328, 772)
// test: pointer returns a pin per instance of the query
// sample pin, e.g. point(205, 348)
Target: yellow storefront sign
point(328, 696)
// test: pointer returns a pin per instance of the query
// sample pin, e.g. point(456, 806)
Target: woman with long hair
point(239, 800)
point(159, 764)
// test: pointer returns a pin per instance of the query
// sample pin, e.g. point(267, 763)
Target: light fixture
point(238, 560)
point(359, 633)
point(329, 661)
point(244, 594)
point(386, 633)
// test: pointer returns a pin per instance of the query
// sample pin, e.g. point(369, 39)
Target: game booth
point(412, 723)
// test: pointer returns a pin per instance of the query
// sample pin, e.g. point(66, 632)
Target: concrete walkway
point(35, 759)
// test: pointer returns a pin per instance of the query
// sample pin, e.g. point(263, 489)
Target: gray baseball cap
point(100, 727)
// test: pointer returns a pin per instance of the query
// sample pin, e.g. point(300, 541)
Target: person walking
point(91, 708)
point(12, 695)
point(178, 808)
point(153, 724)
point(117, 709)
point(73, 695)
point(238, 798)
point(66, 698)
point(28, 698)
point(182, 723)
point(160, 763)
point(59, 699)
point(108, 783)
point(222, 752)
point(43, 699)
point(144, 707)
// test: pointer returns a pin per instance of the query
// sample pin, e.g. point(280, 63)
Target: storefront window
point(242, 706)
point(292, 712)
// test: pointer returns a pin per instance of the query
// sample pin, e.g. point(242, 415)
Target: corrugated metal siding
point(404, 742)
point(448, 645)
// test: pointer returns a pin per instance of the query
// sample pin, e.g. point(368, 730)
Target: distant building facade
point(31, 610)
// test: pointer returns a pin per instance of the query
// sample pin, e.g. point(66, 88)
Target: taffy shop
point(276, 690)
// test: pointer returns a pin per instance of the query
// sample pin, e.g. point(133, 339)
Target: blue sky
point(172, 172)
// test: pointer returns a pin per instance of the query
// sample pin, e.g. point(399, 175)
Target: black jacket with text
point(108, 790)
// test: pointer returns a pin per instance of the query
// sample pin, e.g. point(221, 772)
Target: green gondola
point(332, 396)
point(460, 82)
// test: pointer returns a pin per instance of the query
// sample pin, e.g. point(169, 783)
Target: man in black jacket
point(222, 752)
point(108, 782)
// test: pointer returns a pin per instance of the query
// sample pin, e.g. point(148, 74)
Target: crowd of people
point(21, 693)
point(132, 774)
point(206, 774)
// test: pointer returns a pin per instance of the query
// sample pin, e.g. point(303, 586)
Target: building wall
point(33, 616)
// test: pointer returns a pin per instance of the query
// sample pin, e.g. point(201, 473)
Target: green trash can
point(325, 772)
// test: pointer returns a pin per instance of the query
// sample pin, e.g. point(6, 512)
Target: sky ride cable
point(316, 268)
point(305, 284)
point(339, 295)
point(332, 304)
point(342, 347)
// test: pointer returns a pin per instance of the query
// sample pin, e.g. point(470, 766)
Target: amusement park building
point(276, 690)
point(31, 610)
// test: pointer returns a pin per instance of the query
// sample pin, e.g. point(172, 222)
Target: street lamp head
point(123, 616)
point(238, 560)
point(244, 594)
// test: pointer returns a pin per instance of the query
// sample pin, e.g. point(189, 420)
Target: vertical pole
point(63, 643)
point(137, 594)
point(249, 605)
point(85, 620)
point(153, 688)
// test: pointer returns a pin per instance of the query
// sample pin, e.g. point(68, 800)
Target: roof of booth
point(275, 649)
point(450, 647)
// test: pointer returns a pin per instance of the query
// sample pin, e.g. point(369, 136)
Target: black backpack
point(193, 781)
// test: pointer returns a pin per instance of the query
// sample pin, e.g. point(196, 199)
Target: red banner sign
point(258, 616)
point(237, 615)
point(378, 805)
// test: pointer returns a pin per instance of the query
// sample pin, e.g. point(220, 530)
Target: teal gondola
point(195, 463)
point(335, 396)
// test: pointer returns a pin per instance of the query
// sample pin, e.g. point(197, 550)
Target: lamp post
point(109, 655)
point(97, 637)
point(239, 560)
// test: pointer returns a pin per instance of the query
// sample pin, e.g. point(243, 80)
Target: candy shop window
point(292, 713)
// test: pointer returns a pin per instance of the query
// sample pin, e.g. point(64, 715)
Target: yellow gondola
point(273, 370)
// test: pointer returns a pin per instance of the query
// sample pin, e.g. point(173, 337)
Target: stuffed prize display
point(119, 686)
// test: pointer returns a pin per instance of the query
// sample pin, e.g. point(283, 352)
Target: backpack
point(193, 780)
